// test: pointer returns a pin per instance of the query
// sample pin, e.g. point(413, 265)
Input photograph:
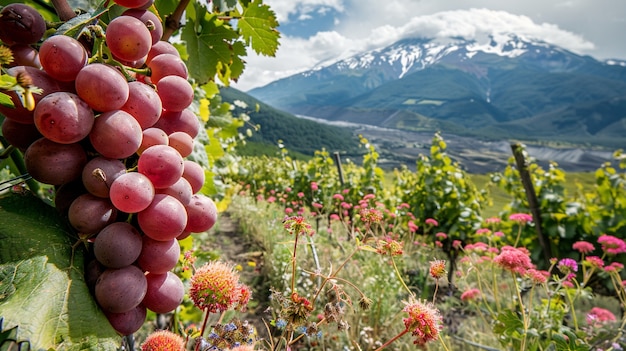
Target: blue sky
point(316, 31)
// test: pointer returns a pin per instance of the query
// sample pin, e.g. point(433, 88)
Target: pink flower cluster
point(514, 259)
point(423, 321)
point(612, 245)
point(598, 316)
point(521, 218)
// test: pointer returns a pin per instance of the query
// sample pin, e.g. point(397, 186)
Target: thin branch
point(63, 9)
point(172, 22)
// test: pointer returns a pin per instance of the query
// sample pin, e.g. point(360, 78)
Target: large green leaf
point(42, 289)
point(258, 27)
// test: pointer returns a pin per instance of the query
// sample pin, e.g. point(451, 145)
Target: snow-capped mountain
point(505, 84)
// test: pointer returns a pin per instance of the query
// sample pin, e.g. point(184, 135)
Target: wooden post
point(533, 203)
point(339, 169)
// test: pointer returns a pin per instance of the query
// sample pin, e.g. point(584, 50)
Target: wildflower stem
point(443, 343)
point(436, 289)
point(293, 264)
point(392, 340)
point(206, 319)
point(523, 310)
point(302, 335)
point(334, 274)
point(395, 268)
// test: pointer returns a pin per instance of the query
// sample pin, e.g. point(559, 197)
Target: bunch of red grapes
point(113, 143)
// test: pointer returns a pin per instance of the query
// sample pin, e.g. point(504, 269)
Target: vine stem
point(63, 9)
point(172, 22)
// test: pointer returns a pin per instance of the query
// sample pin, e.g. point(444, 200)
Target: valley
point(397, 147)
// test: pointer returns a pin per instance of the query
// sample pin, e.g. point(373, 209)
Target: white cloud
point(302, 9)
point(298, 54)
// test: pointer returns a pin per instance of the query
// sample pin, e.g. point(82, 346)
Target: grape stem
point(63, 9)
point(172, 22)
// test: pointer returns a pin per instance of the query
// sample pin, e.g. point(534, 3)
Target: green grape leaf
point(42, 289)
point(5, 100)
point(258, 27)
point(208, 45)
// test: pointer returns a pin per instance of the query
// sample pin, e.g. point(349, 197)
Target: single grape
point(151, 20)
point(164, 219)
point(99, 173)
point(164, 293)
point(131, 4)
point(182, 142)
point(54, 163)
point(20, 135)
point(143, 103)
point(89, 214)
point(102, 87)
point(21, 24)
point(128, 38)
point(127, 323)
point(25, 55)
point(194, 173)
point(162, 164)
point(175, 92)
point(180, 121)
point(161, 47)
point(116, 134)
point(151, 137)
point(158, 256)
point(121, 290)
point(62, 57)
point(167, 65)
point(181, 190)
point(63, 118)
point(93, 269)
point(132, 192)
point(201, 213)
point(117, 245)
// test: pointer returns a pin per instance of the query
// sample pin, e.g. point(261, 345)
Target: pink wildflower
point(498, 234)
point(423, 321)
point(369, 197)
point(287, 189)
point(612, 245)
point(567, 266)
point(334, 217)
point(514, 260)
point(521, 218)
point(537, 276)
point(300, 194)
point(297, 225)
point(346, 205)
point(478, 247)
point(314, 186)
point(338, 197)
point(413, 227)
point(441, 235)
point(614, 267)
point(470, 294)
point(483, 231)
point(598, 316)
point(271, 199)
point(317, 205)
point(432, 221)
point(289, 210)
point(388, 246)
point(492, 220)
point(594, 261)
point(583, 247)
point(371, 215)
point(457, 244)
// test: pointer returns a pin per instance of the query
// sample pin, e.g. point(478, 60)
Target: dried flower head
point(437, 269)
point(388, 246)
point(163, 340)
point(215, 287)
point(371, 215)
point(423, 321)
point(6, 55)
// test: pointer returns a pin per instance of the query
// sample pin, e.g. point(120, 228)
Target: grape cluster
point(114, 144)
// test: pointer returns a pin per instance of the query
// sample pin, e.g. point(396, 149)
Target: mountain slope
point(296, 134)
point(465, 87)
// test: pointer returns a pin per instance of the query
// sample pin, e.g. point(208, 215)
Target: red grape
point(121, 290)
point(149, 19)
point(116, 134)
point(102, 87)
point(143, 103)
point(182, 142)
point(175, 92)
point(131, 4)
point(25, 55)
point(201, 213)
point(128, 38)
point(164, 219)
point(151, 137)
point(162, 164)
point(166, 65)
point(181, 190)
point(164, 293)
point(63, 118)
point(20, 135)
point(21, 24)
point(131, 192)
point(128, 322)
point(194, 173)
point(89, 214)
point(117, 245)
point(54, 163)
point(161, 47)
point(99, 173)
point(158, 256)
point(62, 57)
point(180, 121)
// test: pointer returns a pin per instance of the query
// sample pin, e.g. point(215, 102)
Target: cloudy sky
point(315, 31)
